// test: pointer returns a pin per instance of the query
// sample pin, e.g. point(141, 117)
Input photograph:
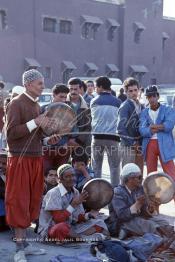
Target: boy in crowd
point(128, 124)
point(57, 154)
point(88, 96)
point(82, 172)
point(104, 114)
point(51, 179)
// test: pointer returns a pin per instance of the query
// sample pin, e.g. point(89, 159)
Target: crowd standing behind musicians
point(123, 129)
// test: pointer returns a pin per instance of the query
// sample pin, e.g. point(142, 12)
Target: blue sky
point(169, 8)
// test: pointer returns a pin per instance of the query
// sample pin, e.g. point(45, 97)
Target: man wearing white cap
point(24, 185)
point(62, 214)
point(129, 210)
point(17, 90)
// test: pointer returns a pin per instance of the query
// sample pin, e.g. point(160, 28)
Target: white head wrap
point(130, 170)
point(18, 90)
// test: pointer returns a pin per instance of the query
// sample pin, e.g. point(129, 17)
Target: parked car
point(167, 90)
point(45, 98)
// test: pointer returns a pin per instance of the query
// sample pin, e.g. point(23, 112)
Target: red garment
point(24, 189)
point(63, 215)
point(59, 232)
point(60, 215)
point(152, 155)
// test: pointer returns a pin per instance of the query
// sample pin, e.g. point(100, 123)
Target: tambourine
point(159, 186)
point(61, 119)
point(100, 193)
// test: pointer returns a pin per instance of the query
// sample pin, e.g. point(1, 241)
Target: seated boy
point(82, 172)
point(51, 179)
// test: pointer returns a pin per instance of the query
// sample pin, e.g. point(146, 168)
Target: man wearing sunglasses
point(156, 125)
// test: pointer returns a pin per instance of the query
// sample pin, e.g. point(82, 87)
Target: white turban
point(18, 90)
point(31, 75)
point(62, 169)
point(129, 170)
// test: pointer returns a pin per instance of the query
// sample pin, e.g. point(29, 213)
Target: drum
point(61, 119)
point(100, 193)
point(159, 186)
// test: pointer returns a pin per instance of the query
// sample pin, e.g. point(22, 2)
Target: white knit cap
point(31, 75)
point(130, 169)
point(18, 90)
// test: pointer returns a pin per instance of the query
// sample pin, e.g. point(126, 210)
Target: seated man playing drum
point(62, 214)
point(130, 212)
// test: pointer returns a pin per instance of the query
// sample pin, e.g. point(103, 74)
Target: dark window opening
point(50, 24)
point(65, 27)
point(3, 19)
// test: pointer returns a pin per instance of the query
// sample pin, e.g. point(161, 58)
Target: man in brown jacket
point(25, 180)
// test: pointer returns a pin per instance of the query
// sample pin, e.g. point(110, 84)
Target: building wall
point(148, 51)
point(167, 74)
point(24, 37)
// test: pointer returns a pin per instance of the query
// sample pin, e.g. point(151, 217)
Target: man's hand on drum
point(153, 205)
point(54, 139)
point(77, 200)
point(44, 121)
point(140, 201)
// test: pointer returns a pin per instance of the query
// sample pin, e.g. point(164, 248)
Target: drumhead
point(100, 193)
point(61, 119)
point(159, 186)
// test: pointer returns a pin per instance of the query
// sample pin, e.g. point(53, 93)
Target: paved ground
point(7, 247)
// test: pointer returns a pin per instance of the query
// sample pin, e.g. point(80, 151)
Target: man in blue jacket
point(128, 124)
point(104, 110)
point(156, 125)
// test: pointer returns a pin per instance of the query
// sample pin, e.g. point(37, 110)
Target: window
point(165, 37)
point(111, 31)
point(138, 29)
point(86, 30)
point(66, 75)
point(48, 72)
point(3, 19)
point(50, 24)
point(94, 31)
point(137, 36)
point(65, 27)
